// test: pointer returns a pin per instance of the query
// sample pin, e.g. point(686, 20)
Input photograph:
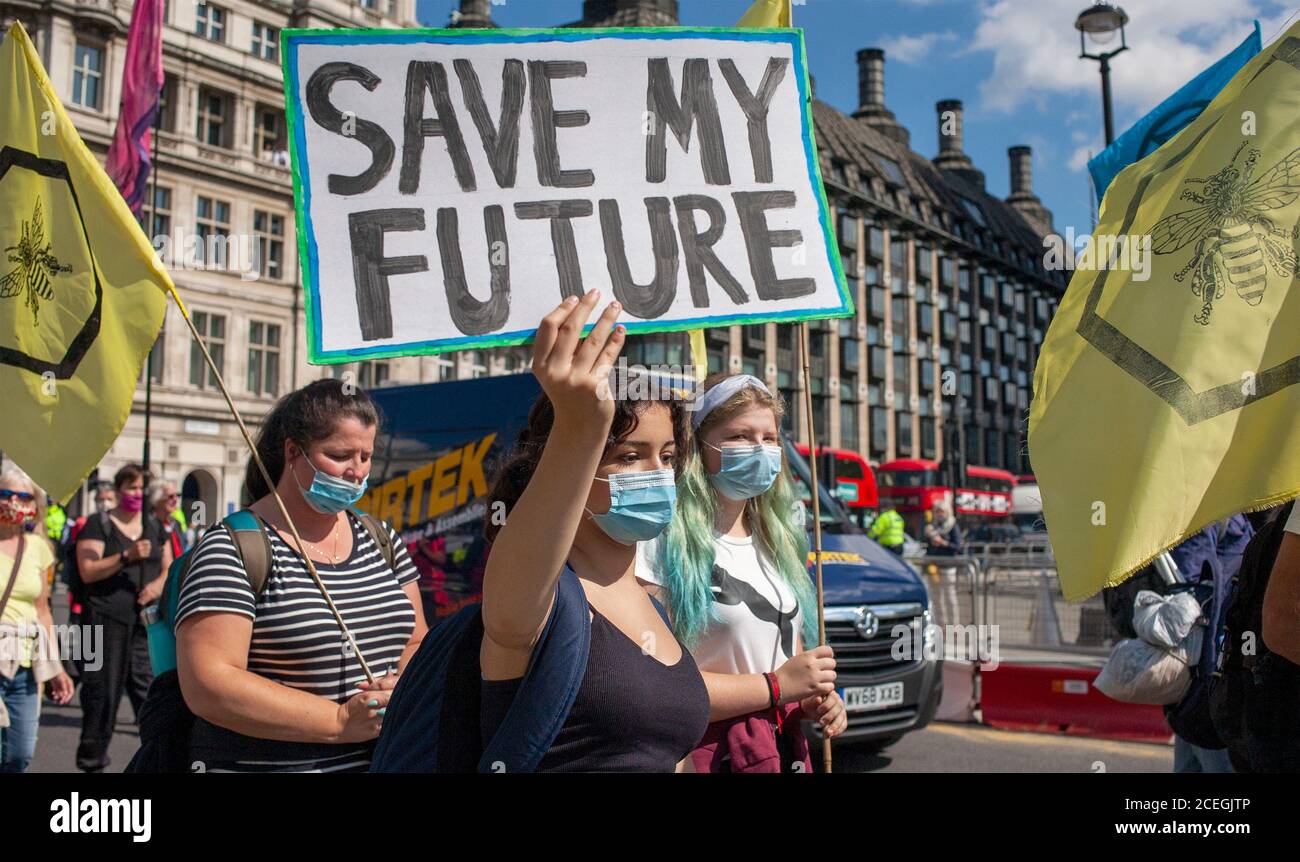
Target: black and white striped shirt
point(296, 640)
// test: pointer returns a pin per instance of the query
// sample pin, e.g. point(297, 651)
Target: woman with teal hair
point(732, 570)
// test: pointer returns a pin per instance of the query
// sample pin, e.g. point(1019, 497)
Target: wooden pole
point(816, 508)
point(270, 483)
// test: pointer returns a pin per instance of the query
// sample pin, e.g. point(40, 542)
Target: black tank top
point(632, 713)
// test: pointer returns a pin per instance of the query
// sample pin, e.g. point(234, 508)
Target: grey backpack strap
point(378, 531)
point(253, 545)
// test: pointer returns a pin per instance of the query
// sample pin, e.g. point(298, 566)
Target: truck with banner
point(434, 464)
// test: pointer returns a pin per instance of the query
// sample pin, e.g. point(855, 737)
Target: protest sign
point(452, 187)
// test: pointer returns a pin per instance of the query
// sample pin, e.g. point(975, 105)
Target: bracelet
point(773, 690)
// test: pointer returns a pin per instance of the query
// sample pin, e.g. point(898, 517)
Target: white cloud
point(911, 49)
point(1036, 60)
point(1079, 158)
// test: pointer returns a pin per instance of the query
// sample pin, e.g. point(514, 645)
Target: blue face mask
point(328, 494)
point(640, 505)
point(747, 471)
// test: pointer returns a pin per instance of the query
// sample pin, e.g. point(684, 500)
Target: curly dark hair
point(518, 469)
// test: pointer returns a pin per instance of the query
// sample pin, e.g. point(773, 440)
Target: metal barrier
point(1015, 588)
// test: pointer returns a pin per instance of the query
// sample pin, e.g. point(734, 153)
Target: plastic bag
point(1139, 672)
point(1165, 621)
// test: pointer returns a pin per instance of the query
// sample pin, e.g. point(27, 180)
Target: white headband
point(721, 393)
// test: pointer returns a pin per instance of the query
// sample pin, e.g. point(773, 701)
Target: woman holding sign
point(568, 665)
point(732, 569)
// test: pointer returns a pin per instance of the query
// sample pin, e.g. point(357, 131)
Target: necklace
point(334, 556)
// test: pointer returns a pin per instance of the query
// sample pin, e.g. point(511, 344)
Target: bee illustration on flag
point(36, 265)
point(1235, 241)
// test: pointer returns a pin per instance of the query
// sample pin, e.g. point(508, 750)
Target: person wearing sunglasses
point(28, 646)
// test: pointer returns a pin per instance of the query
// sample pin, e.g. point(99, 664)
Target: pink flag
point(128, 157)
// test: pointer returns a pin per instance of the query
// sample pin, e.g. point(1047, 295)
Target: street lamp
point(1098, 24)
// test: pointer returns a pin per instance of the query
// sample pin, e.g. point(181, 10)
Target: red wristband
point(773, 689)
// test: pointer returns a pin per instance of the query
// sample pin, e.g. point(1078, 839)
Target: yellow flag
point(1166, 394)
point(767, 13)
point(764, 13)
point(81, 289)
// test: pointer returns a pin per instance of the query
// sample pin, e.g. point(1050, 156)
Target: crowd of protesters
point(654, 615)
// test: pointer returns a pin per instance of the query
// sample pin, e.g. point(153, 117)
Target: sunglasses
point(7, 494)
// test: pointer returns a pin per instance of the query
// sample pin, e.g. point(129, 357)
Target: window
point(899, 324)
point(372, 374)
point(816, 342)
point(897, 263)
point(927, 438)
point(849, 424)
point(876, 305)
point(902, 374)
point(268, 232)
point(925, 320)
point(266, 41)
point(922, 263)
point(214, 109)
point(445, 369)
point(850, 354)
point(167, 105)
point(927, 375)
point(875, 243)
point(264, 358)
point(992, 450)
point(891, 168)
point(474, 364)
point(879, 432)
point(903, 434)
point(848, 231)
point(879, 362)
point(212, 227)
point(212, 329)
point(158, 218)
point(270, 144)
point(947, 271)
point(88, 76)
point(210, 22)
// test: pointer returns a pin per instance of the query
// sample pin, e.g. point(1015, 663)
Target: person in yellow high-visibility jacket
point(888, 530)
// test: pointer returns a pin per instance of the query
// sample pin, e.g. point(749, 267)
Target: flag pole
point(816, 509)
point(270, 483)
point(153, 216)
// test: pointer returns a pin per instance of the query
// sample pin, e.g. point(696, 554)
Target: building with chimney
point(951, 295)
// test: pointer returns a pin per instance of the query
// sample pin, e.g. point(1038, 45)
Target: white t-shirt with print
point(758, 617)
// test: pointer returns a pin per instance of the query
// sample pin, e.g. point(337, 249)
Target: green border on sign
point(290, 38)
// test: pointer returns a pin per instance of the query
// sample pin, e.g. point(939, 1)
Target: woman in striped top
point(272, 680)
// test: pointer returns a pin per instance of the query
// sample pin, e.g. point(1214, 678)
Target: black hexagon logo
point(30, 271)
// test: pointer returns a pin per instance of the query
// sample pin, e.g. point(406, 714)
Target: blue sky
point(1014, 64)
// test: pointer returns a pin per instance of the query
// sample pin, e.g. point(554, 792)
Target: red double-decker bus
point(914, 485)
point(849, 477)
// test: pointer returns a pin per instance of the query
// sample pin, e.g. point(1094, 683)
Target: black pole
point(153, 217)
point(1105, 99)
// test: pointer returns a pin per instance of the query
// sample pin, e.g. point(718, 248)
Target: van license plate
point(869, 697)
